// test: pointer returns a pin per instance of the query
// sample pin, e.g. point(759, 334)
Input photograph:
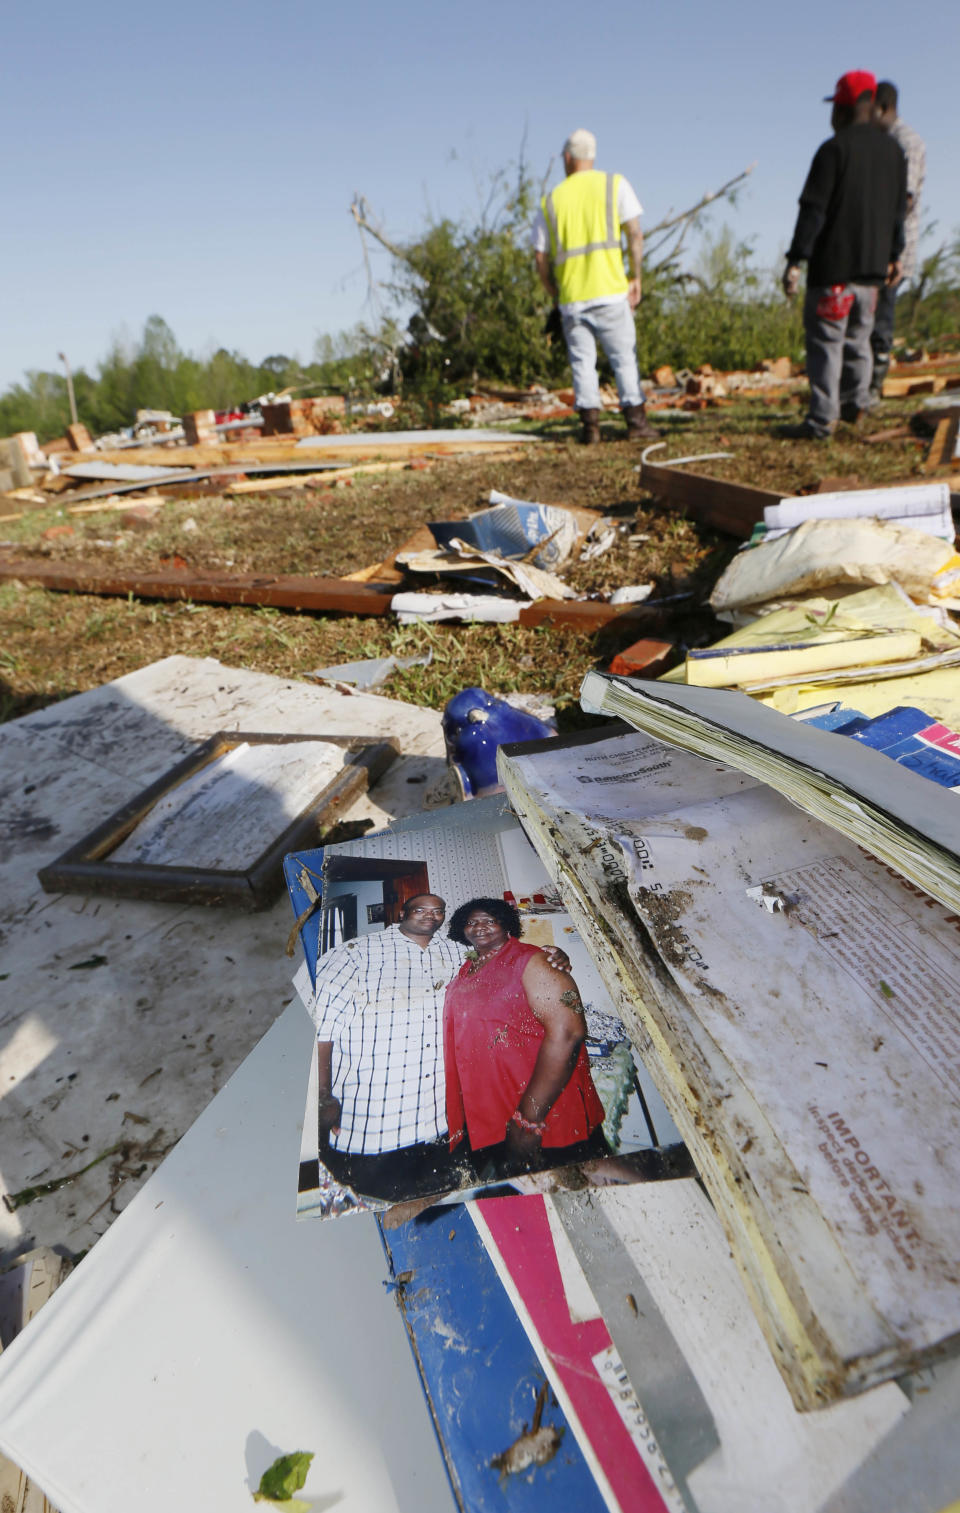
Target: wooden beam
point(719, 502)
point(319, 595)
point(312, 595)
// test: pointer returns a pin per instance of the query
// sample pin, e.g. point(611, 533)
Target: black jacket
point(852, 208)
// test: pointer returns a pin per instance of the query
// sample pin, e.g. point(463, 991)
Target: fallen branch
point(677, 224)
point(708, 199)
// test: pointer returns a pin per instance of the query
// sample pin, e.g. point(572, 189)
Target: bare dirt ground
point(54, 644)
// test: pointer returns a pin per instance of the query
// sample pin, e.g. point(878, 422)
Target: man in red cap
point(850, 234)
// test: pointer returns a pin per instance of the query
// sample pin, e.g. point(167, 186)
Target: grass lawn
point(55, 644)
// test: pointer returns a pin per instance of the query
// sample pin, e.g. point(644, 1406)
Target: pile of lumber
point(297, 454)
point(929, 375)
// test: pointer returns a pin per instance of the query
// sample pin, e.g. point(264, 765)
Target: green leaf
point(286, 1476)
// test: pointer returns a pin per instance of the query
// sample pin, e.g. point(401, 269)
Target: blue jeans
point(612, 325)
point(881, 340)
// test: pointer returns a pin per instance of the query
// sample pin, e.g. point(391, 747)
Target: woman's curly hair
point(505, 914)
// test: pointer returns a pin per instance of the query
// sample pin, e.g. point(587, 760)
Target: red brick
point(647, 657)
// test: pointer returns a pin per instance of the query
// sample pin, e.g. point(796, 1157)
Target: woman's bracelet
point(528, 1124)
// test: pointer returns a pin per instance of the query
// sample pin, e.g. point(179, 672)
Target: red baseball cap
point(852, 85)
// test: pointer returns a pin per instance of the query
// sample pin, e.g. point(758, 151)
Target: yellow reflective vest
point(581, 215)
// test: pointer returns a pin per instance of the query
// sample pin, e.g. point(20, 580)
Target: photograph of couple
point(463, 1037)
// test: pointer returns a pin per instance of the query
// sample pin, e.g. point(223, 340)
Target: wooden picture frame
point(86, 867)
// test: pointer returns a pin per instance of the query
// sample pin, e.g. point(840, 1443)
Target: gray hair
point(581, 144)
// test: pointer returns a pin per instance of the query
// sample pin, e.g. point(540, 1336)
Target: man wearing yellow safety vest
point(579, 253)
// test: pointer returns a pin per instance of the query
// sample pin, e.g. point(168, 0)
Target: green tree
point(478, 306)
point(39, 404)
point(928, 312)
point(723, 310)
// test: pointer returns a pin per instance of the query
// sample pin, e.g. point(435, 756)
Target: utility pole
point(73, 403)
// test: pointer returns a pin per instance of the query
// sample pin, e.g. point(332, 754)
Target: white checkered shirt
point(916, 155)
point(379, 999)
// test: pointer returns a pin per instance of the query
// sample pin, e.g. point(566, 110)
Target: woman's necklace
point(479, 959)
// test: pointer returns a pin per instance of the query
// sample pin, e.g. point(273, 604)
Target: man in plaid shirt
point(916, 155)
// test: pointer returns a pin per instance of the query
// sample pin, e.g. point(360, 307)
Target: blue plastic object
point(474, 725)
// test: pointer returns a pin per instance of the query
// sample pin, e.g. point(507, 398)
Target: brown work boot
point(638, 426)
point(590, 420)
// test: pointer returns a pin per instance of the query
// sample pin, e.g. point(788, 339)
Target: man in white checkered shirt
point(912, 146)
point(378, 1008)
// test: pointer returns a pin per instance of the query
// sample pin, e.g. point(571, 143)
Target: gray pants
point(837, 324)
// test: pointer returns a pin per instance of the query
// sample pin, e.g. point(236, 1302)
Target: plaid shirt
point(916, 155)
point(379, 999)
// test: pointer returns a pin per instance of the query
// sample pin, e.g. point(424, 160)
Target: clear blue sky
point(199, 161)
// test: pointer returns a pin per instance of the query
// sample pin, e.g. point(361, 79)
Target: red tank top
point(491, 1040)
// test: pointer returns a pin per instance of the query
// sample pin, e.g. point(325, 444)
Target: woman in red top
point(519, 1088)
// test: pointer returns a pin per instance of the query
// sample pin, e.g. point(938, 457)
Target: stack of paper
point(796, 1004)
point(909, 823)
point(916, 506)
point(864, 636)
